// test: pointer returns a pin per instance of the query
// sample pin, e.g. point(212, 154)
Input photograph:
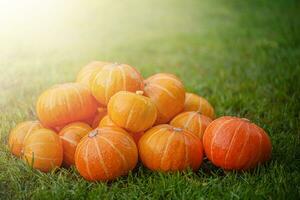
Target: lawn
point(243, 56)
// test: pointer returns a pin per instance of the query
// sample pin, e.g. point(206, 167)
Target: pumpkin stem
point(139, 92)
point(93, 133)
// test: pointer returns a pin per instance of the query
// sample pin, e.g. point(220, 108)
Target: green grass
point(244, 56)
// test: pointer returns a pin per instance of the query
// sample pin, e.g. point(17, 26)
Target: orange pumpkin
point(105, 154)
point(167, 93)
point(86, 73)
point(192, 121)
point(113, 78)
point(70, 136)
point(19, 134)
point(133, 112)
point(43, 150)
point(194, 102)
point(236, 144)
point(106, 121)
point(65, 103)
point(166, 148)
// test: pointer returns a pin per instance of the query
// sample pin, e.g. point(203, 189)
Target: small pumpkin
point(166, 148)
point(70, 136)
point(43, 150)
point(105, 154)
point(19, 134)
point(236, 144)
point(65, 103)
point(86, 73)
point(195, 102)
point(107, 122)
point(132, 111)
point(113, 78)
point(191, 121)
point(167, 93)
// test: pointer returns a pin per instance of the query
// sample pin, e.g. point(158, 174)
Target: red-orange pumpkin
point(19, 134)
point(86, 73)
point(166, 148)
point(105, 154)
point(236, 144)
point(191, 121)
point(167, 93)
point(113, 78)
point(107, 122)
point(43, 150)
point(65, 103)
point(133, 112)
point(194, 102)
point(70, 136)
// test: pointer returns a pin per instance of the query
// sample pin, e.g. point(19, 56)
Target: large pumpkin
point(19, 134)
point(191, 121)
point(236, 144)
point(86, 73)
point(166, 148)
point(132, 111)
point(194, 102)
point(167, 93)
point(65, 103)
point(70, 136)
point(107, 122)
point(105, 154)
point(43, 150)
point(113, 78)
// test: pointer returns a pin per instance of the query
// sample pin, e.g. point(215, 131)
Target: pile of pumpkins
point(110, 118)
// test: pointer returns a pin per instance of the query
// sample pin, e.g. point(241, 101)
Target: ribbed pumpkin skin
point(195, 102)
point(167, 93)
point(65, 103)
point(43, 150)
point(107, 122)
point(70, 136)
point(105, 154)
point(18, 135)
point(236, 144)
point(166, 148)
point(133, 112)
point(192, 121)
point(84, 76)
point(113, 78)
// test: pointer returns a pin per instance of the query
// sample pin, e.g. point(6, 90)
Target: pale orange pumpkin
point(166, 148)
point(132, 111)
point(195, 102)
point(19, 134)
point(192, 121)
point(43, 150)
point(86, 73)
point(70, 136)
point(113, 78)
point(167, 93)
point(236, 144)
point(105, 154)
point(65, 103)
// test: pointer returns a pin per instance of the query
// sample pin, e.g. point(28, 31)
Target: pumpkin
point(105, 154)
point(167, 93)
point(132, 111)
point(70, 136)
point(43, 150)
point(192, 121)
point(166, 148)
point(236, 144)
point(113, 78)
point(19, 134)
point(194, 102)
point(106, 121)
point(65, 103)
point(86, 73)
point(94, 121)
